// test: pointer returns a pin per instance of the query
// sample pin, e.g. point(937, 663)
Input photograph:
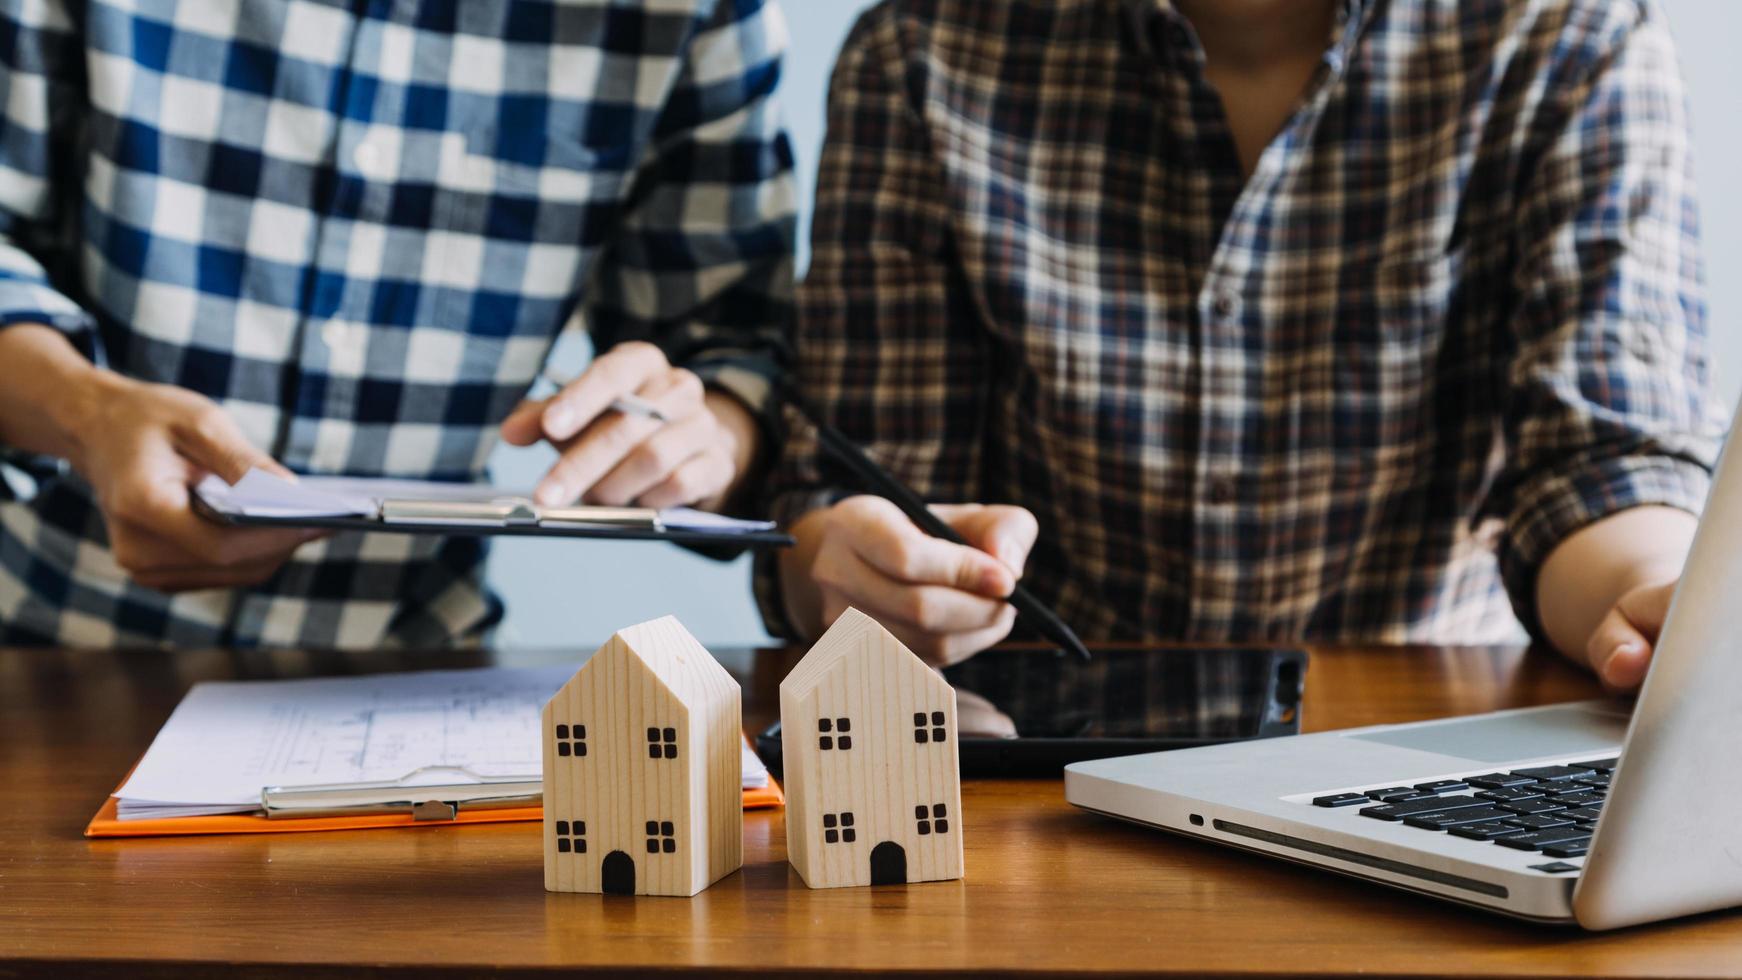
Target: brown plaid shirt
point(1455, 314)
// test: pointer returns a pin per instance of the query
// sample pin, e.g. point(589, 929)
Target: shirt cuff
point(1550, 510)
point(748, 378)
point(765, 579)
point(25, 301)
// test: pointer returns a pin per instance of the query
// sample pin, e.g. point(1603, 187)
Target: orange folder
point(107, 824)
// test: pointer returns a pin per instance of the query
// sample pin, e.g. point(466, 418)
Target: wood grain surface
point(1049, 889)
point(651, 770)
point(888, 784)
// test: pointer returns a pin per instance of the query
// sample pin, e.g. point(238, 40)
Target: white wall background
point(574, 593)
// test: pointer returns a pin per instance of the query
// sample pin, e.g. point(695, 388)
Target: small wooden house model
point(642, 769)
point(868, 745)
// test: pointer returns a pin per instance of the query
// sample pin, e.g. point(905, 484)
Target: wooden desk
point(1049, 888)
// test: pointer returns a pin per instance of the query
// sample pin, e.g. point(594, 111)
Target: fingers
point(880, 563)
point(1647, 607)
point(608, 441)
point(154, 528)
point(622, 370)
point(945, 601)
point(884, 537)
point(935, 648)
point(525, 425)
point(1618, 653)
point(164, 564)
point(656, 458)
point(1003, 531)
point(850, 581)
point(977, 717)
point(942, 651)
point(1620, 648)
point(194, 579)
point(699, 478)
point(208, 437)
point(591, 456)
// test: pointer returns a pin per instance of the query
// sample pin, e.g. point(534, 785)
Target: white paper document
point(261, 494)
point(229, 739)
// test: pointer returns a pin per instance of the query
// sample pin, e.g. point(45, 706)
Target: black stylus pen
point(881, 482)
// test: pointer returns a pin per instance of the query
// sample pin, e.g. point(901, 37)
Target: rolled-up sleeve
point(1610, 391)
point(39, 100)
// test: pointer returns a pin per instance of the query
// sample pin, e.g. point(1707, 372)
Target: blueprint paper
point(228, 739)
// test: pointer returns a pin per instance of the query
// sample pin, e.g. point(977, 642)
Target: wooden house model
point(868, 745)
point(642, 769)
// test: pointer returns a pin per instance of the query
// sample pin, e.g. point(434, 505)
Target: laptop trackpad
point(1563, 730)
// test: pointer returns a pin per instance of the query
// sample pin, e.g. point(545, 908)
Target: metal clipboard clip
point(515, 512)
point(411, 793)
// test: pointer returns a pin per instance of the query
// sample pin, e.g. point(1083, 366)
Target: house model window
point(935, 820)
point(661, 837)
point(571, 837)
point(571, 740)
point(838, 828)
point(662, 743)
point(923, 733)
point(832, 733)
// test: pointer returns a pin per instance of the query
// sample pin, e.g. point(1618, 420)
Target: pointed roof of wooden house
point(852, 634)
point(671, 655)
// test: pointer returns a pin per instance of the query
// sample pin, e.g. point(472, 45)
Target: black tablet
point(1032, 711)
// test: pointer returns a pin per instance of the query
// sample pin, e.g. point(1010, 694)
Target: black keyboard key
point(1487, 830)
point(1570, 849)
point(1539, 839)
point(1442, 786)
point(1392, 794)
point(1563, 788)
point(1443, 820)
point(1512, 794)
point(1553, 772)
point(1497, 780)
point(1529, 807)
point(1433, 804)
point(1602, 765)
point(1341, 799)
point(1599, 781)
point(1583, 814)
point(1540, 821)
point(1578, 799)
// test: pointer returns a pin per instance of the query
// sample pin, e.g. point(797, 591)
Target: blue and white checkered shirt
point(359, 227)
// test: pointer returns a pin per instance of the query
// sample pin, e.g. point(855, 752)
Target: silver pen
point(626, 404)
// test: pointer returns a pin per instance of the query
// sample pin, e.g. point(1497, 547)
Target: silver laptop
point(1562, 814)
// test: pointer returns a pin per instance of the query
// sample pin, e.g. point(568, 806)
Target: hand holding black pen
point(873, 479)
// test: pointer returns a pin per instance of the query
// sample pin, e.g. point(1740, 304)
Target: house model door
point(888, 864)
point(617, 874)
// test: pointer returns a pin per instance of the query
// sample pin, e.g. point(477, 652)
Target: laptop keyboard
point(1552, 809)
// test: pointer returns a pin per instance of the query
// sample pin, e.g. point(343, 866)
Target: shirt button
point(1226, 305)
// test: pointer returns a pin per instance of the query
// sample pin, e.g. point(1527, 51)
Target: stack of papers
point(261, 494)
point(229, 739)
